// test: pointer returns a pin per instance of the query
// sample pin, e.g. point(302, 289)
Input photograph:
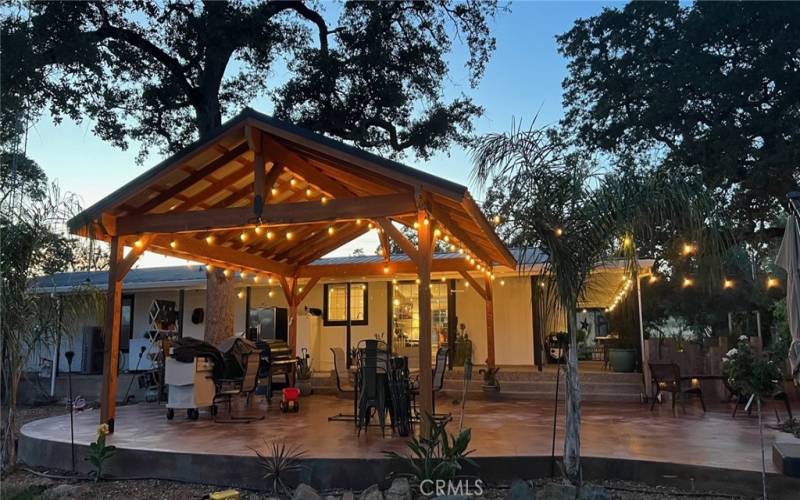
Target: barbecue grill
point(276, 359)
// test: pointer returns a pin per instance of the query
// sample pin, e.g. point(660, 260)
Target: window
point(126, 323)
point(335, 304)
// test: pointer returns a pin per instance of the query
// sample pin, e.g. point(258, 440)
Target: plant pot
point(305, 387)
point(622, 360)
point(491, 391)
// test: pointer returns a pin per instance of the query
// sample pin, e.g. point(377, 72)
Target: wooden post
point(489, 300)
point(111, 328)
point(425, 323)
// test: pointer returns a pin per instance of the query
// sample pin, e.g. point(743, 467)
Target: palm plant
point(280, 464)
point(553, 202)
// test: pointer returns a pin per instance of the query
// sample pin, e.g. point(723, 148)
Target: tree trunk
point(572, 437)
point(220, 299)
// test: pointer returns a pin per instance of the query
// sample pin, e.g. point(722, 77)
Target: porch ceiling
point(318, 194)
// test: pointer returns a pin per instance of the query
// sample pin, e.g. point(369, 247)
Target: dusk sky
point(523, 77)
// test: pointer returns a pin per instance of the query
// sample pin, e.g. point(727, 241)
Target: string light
point(416, 225)
point(437, 232)
point(687, 282)
point(240, 294)
point(496, 220)
point(289, 235)
point(270, 294)
point(452, 248)
point(418, 281)
point(243, 275)
point(324, 200)
point(274, 191)
point(627, 241)
point(173, 244)
point(309, 192)
point(443, 279)
point(688, 249)
point(209, 267)
point(256, 278)
point(385, 269)
point(292, 182)
point(461, 250)
point(727, 283)
point(446, 238)
point(243, 236)
point(227, 273)
point(211, 239)
point(426, 221)
point(397, 302)
point(653, 278)
point(502, 282)
point(466, 284)
point(300, 289)
point(270, 280)
point(772, 282)
point(358, 222)
point(559, 231)
point(270, 235)
point(370, 225)
point(259, 230)
point(331, 230)
point(138, 244)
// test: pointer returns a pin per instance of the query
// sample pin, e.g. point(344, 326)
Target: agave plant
point(280, 464)
point(440, 456)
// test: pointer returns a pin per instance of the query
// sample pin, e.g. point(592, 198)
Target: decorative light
point(397, 302)
point(270, 235)
point(259, 230)
point(653, 278)
point(270, 294)
point(426, 221)
point(461, 250)
point(452, 248)
point(274, 191)
point(173, 244)
point(309, 192)
point(688, 249)
point(289, 235)
point(211, 239)
point(687, 282)
point(541, 283)
point(300, 289)
point(324, 200)
point(727, 283)
point(209, 267)
point(240, 294)
point(227, 273)
point(502, 282)
point(385, 269)
point(271, 280)
point(559, 231)
point(466, 284)
point(437, 232)
point(363, 287)
point(370, 225)
point(496, 220)
point(138, 244)
point(627, 241)
point(331, 230)
point(256, 278)
point(394, 281)
point(358, 222)
point(471, 261)
point(243, 236)
point(418, 281)
point(772, 282)
point(380, 251)
point(243, 274)
point(443, 279)
point(292, 181)
point(416, 225)
point(446, 238)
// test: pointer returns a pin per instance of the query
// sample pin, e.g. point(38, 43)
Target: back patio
point(511, 440)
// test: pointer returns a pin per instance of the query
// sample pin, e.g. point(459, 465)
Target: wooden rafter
point(473, 283)
point(399, 238)
point(379, 268)
point(459, 233)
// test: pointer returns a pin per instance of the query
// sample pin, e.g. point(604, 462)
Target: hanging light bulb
point(209, 267)
point(240, 294)
point(496, 220)
point(772, 282)
point(418, 281)
point(452, 248)
point(687, 282)
point(446, 238)
point(211, 239)
point(274, 191)
point(243, 275)
point(292, 181)
point(300, 289)
point(502, 282)
point(688, 249)
point(727, 283)
point(270, 294)
point(256, 278)
point(173, 244)
point(227, 273)
point(437, 232)
point(461, 251)
point(259, 230)
point(270, 235)
point(309, 192)
point(138, 244)
point(466, 284)
point(416, 225)
point(426, 221)
point(243, 236)
point(331, 230)
point(443, 279)
point(324, 200)
point(289, 235)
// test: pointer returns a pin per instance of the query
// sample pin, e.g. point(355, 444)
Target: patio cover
point(265, 197)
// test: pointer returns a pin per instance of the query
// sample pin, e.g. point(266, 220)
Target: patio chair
point(438, 379)
point(745, 400)
point(373, 368)
point(343, 385)
point(245, 386)
point(666, 377)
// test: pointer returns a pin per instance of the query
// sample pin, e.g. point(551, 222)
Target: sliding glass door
point(405, 319)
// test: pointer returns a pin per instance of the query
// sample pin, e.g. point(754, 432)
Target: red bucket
point(291, 394)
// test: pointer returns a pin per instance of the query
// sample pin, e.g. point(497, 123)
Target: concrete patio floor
point(511, 439)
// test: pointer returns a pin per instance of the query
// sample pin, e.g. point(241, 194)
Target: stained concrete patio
point(620, 440)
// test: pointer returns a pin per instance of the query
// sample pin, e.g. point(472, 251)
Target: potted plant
point(463, 346)
point(491, 385)
point(622, 356)
point(304, 379)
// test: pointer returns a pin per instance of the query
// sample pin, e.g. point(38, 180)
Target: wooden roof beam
point(461, 234)
point(279, 153)
point(399, 238)
point(277, 214)
point(378, 268)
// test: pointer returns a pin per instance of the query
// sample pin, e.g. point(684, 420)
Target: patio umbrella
point(789, 259)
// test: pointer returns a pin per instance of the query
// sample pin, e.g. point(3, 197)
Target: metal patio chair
point(666, 377)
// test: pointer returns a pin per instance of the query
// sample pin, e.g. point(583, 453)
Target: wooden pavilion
point(266, 197)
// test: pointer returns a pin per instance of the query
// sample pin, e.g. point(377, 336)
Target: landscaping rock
point(399, 490)
point(63, 491)
point(555, 491)
point(593, 492)
point(520, 490)
point(348, 495)
point(371, 493)
point(305, 492)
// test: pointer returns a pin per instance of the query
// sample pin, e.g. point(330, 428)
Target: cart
point(191, 386)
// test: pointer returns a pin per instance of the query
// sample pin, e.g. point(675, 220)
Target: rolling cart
point(191, 386)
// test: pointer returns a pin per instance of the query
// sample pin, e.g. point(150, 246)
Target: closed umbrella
point(789, 259)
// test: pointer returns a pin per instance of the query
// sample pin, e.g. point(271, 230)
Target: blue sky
point(523, 77)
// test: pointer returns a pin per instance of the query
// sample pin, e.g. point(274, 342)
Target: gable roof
point(213, 179)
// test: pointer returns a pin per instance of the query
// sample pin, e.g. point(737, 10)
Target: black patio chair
point(743, 400)
point(372, 363)
point(226, 389)
point(666, 377)
point(343, 385)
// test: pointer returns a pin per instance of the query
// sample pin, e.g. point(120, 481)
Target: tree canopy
point(371, 73)
point(709, 89)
